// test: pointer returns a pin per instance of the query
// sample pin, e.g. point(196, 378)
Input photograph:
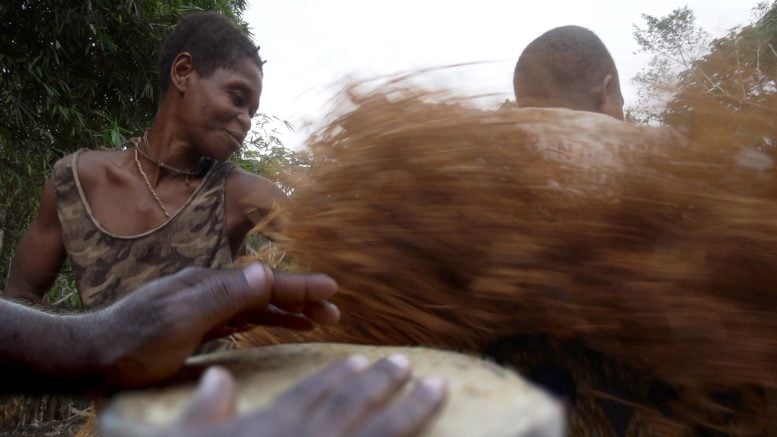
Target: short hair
point(213, 40)
point(563, 63)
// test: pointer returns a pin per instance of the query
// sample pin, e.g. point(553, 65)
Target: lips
point(237, 137)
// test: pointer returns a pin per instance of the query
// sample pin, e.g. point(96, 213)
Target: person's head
point(211, 72)
point(568, 67)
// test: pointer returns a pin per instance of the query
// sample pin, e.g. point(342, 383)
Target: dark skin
point(604, 99)
point(345, 399)
point(145, 337)
point(199, 116)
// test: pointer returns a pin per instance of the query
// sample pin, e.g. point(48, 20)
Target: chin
point(222, 156)
point(232, 151)
point(219, 150)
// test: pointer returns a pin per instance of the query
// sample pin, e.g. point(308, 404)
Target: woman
point(170, 200)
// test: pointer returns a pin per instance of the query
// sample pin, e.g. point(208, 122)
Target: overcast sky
point(311, 46)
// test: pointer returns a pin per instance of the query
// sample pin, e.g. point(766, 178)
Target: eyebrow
point(239, 83)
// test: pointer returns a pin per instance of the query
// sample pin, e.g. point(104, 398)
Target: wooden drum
point(484, 398)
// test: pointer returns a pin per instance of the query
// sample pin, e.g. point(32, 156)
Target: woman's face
point(216, 111)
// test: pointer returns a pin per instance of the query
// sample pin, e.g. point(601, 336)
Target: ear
point(611, 104)
point(606, 84)
point(181, 71)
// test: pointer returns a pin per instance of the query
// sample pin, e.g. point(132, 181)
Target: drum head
point(485, 399)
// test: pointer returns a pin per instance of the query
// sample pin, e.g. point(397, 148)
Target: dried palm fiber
point(457, 227)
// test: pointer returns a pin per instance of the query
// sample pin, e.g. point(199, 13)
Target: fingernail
point(255, 274)
point(212, 380)
point(332, 306)
point(399, 360)
point(357, 362)
point(330, 280)
point(434, 383)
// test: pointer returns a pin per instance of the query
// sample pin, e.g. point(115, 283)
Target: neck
point(551, 102)
point(164, 143)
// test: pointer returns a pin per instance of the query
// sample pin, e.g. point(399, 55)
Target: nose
point(245, 121)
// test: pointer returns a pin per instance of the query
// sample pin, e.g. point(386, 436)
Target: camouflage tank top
point(109, 266)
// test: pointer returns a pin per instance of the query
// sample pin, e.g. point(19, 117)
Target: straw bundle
point(456, 227)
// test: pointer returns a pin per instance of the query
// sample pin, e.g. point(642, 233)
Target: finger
point(224, 331)
point(350, 403)
point(322, 312)
point(227, 293)
point(223, 294)
point(291, 291)
point(306, 393)
point(269, 317)
point(215, 400)
point(273, 316)
point(411, 414)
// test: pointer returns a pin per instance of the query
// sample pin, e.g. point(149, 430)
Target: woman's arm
point(249, 200)
point(40, 254)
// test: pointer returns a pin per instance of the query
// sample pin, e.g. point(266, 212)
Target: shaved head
point(567, 67)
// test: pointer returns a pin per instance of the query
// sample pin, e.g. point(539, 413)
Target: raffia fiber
point(454, 227)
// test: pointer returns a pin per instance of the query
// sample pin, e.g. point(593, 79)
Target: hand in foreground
point(344, 399)
point(146, 336)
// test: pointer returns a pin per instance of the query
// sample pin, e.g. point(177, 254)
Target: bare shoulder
point(100, 157)
point(250, 192)
point(94, 166)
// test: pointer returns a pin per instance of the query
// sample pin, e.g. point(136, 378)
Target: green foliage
point(265, 154)
point(738, 76)
point(63, 293)
point(699, 86)
point(674, 41)
point(73, 74)
point(723, 92)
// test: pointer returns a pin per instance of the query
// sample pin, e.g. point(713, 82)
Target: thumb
point(224, 294)
point(215, 400)
point(238, 293)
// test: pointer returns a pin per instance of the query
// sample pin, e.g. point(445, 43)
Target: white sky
point(311, 46)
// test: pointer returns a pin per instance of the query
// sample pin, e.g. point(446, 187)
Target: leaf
point(116, 138)
point(79, 74)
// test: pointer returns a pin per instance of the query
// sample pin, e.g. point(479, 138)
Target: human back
point(455, 229)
